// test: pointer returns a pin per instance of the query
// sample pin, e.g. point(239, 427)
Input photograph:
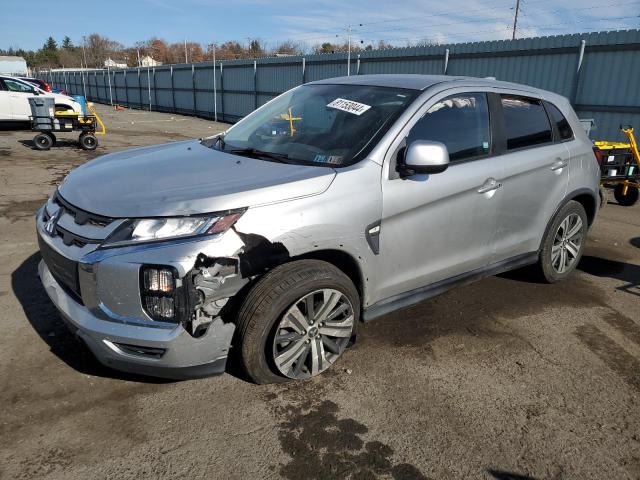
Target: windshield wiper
point(255, 153)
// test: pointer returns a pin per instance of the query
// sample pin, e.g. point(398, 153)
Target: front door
point(5, 103)
point(19, 94)
point(438, 226)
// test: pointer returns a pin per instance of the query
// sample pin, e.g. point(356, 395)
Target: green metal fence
point(599, 73)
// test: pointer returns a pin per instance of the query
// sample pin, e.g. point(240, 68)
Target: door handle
point(558, 164)
point(489, 185)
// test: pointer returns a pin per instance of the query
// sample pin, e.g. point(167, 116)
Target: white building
point(109, 63)
point(10, 65)
point(148, 61)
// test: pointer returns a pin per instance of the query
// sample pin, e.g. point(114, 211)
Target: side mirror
point(35, 92)
point(422, 156)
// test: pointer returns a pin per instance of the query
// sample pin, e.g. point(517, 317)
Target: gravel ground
point(502, 379)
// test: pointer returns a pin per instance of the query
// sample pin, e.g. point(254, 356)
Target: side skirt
point(404, 300)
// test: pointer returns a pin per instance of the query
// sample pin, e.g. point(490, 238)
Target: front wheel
point(628, 198)
point(296, 321)
point(564, 242)
point(42, 141)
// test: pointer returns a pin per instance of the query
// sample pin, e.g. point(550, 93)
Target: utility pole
point(215, 87)
point(349, 52)
point(515, 20)
point(186, 60)
point(84, 55)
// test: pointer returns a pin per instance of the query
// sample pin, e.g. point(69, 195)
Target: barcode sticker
point(349, 106)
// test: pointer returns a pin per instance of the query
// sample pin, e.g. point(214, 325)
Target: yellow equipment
point(620, 167)
point(290, 118)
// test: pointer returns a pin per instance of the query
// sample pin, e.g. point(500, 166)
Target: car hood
point(185, 178)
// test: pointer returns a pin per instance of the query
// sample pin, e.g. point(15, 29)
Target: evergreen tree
point(50, 45)
point(67, 43)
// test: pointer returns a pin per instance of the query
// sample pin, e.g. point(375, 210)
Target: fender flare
point(567, 198)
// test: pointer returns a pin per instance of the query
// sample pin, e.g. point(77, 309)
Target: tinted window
point(525, 121)
point(564, 129)
point(461, 122)
point(15, 86)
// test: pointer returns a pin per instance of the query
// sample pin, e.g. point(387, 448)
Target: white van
point(14, 100)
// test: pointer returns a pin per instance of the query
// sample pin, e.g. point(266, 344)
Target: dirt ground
point(502, 379)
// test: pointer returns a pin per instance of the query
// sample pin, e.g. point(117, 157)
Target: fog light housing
point(158, 286)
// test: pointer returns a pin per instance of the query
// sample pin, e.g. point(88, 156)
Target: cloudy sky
point(400, 22)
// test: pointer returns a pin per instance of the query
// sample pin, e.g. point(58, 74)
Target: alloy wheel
point(313, 333)
point(567, 243)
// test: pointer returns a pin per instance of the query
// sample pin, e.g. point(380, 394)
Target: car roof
point(421, 82)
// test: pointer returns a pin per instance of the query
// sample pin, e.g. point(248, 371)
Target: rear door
point(438, 226)
point(536, 174)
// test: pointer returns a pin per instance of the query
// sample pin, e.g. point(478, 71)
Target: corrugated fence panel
point(603, 85)
point(278, 78)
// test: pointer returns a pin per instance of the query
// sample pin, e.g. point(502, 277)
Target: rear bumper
point(162, 352)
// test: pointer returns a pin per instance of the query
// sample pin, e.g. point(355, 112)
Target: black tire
point(627, 200)
point(88, 141)
point(53, 138)
point(42, 141)
point(545, 265)
point(269, 299)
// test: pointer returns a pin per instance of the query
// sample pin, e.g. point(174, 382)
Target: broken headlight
point(158, 229)
point(158, 292)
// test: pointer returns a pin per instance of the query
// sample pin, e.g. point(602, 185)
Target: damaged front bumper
point(107, 314)
point(162, 352)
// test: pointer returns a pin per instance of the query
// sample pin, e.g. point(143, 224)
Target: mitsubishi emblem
point(50, 226)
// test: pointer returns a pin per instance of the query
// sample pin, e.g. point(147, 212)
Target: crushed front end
point(154, 308)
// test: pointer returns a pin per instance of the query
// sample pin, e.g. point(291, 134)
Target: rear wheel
point(564, 242)
point(88, 141)
point(296, 321)
point(42, 141)
point(628, 198)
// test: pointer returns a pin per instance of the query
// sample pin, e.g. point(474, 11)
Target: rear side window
point(564, 129)
point(525, 121)
point(461, 122)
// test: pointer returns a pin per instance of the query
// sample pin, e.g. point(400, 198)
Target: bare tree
point(99, 48)
point(289, 47)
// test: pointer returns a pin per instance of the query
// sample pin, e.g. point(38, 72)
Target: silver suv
point(339, 201)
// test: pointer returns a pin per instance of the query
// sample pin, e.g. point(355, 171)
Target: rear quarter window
point(562, 124)
point(525, 121)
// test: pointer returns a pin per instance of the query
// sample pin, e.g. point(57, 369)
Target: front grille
point(64, 270)
point(80, 216)
point(70, 238)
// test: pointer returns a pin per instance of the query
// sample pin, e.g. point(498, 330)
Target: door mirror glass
point(423, 156)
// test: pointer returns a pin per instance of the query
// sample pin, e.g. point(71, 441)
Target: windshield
point(323, 125)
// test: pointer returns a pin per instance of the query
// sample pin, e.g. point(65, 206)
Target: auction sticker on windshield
point(349, 106)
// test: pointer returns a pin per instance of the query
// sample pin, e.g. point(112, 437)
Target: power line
point(484, 20)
